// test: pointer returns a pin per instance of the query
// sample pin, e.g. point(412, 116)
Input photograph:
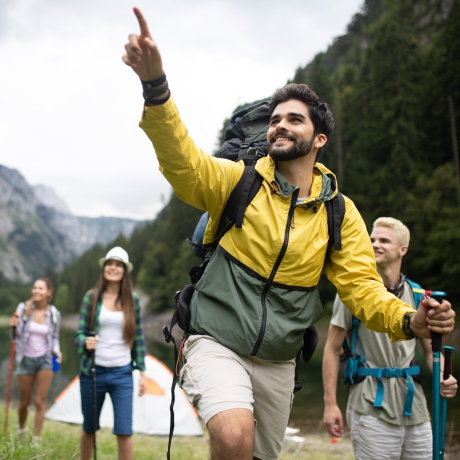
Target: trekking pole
point(447, 372)
point(436, 345)
point(10, 376)
point(93, 375)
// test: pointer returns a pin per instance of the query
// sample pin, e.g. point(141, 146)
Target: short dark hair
point(318, 110)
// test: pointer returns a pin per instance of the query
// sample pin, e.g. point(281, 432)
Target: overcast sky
point(69, 107)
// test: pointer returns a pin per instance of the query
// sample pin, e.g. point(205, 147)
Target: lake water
point(307, 409)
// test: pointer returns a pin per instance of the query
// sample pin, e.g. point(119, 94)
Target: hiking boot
point(22, 434)
point(35, 442)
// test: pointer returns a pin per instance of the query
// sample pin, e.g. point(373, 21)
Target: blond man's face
point(387, 248)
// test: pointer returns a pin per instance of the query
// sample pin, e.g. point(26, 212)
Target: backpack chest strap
point(389, 372)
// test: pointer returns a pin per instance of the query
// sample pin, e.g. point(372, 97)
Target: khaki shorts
point(374, 438)
point(216, 379)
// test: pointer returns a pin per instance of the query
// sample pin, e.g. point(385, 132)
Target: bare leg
point(26, 385)
point(86, 445)
point(232, 435)
point(125, 447)
point(44, 378)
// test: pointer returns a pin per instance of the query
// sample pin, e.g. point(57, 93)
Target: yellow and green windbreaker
point(258, 293)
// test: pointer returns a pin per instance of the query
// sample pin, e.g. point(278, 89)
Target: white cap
point(117, 253)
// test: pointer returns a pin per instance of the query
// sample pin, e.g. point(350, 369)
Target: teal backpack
point(355, 368)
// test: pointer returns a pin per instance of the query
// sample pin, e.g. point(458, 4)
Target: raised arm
point(197, 178)
point(353, 271)
point(332, 418)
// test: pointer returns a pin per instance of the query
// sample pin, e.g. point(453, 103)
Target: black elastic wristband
point(154, 93)
point(154, 83)
point(150, 102)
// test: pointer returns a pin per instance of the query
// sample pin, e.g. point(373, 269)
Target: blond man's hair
point(400, 229)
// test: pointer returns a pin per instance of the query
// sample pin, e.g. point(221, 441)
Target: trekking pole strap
point(389, 372)
point(170, 338)
point(297, 384)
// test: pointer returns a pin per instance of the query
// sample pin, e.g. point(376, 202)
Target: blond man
point(390, 423)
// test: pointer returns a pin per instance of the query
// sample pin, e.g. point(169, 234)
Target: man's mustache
point(282, 134)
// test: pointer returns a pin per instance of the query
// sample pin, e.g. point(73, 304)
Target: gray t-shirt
point(380, 352)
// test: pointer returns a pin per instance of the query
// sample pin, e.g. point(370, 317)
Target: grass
point(60, 441)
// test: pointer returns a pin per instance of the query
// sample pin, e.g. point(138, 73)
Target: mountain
point(37, 229)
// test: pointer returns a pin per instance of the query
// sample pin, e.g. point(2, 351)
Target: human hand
point(142, 385)
point(435, 317)
point(14, 321)
point(142, 54)
point(59, 357)
point(449, 387)
point(91, 342)
point(333, 420)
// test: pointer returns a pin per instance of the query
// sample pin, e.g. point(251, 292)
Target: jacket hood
point(324, 186)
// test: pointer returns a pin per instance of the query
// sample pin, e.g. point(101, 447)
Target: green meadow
point(60, 441)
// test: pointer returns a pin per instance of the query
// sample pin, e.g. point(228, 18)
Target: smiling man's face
point(291, 133)
point(387, 248)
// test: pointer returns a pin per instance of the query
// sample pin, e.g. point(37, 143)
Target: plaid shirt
point(138, 349)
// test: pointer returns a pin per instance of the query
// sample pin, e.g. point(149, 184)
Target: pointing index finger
point(142, 22)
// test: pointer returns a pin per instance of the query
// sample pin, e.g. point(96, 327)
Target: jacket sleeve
point(82, 331)
point(138, 350)
point(200, 180)
point(56, 346)
point(353, 272)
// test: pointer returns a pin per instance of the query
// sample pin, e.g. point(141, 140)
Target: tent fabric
point(150, 412)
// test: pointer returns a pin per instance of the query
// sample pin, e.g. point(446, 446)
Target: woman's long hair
point(125, 297)
point(29, 303)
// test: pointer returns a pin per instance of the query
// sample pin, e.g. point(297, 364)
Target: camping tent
point(150, 412)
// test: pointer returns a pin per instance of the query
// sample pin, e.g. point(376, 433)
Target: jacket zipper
point(273, 273)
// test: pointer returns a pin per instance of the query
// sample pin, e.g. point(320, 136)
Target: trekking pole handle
point(436, 337)
point(447, 362)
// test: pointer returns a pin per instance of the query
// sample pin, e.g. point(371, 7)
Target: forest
point(393, 84)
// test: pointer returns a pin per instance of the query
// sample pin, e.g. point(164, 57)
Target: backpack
point(355, 369)
point(245, 139)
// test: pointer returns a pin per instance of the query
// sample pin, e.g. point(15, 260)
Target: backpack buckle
point(167, 334)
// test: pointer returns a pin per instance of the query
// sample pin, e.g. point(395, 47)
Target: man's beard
point(297, 150)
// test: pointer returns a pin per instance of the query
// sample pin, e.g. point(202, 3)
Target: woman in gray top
point(37, 340)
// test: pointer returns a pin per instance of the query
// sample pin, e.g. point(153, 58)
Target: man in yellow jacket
point(258, 293)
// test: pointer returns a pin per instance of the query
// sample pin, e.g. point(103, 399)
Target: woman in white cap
point(110, 331)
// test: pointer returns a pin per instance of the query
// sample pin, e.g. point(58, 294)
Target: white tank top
point(37, 342)
point(111, 351)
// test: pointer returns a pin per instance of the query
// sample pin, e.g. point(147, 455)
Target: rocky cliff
point(37, 229)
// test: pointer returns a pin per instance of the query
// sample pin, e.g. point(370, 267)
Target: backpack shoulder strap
point(335, 213)
point(417, 292)
point(53, 314)
point(355, 336)
point(242, 195)
point(22, 311)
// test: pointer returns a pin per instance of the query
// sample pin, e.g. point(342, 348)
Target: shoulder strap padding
point(242, 195)
point(335, 213)
point(417, 292)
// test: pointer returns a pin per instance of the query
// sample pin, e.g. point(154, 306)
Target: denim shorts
point(118, 383)
point(31, 366)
